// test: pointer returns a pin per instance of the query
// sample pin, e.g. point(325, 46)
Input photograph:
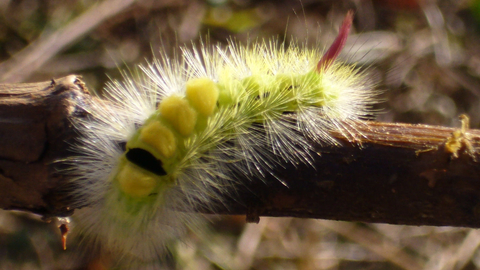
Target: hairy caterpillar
point(181, 129)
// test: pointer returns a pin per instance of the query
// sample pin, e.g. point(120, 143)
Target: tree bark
point(392, 173)
point(35, 132)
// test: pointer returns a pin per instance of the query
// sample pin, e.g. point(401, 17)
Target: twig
point(31, 58)
point(394, 173)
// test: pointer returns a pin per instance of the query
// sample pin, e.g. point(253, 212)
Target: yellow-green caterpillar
point(178, 129)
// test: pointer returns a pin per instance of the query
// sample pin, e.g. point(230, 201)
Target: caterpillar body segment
point(180, 130)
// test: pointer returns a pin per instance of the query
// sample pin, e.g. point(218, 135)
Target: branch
point(394, 173)
point(35, 131)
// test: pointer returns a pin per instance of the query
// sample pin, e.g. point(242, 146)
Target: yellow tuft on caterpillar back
point(202, 93)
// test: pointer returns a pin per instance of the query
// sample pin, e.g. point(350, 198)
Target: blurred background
point(424, 55)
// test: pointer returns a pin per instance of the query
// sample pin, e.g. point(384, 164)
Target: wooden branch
point(395, 173)
point(35, 131)
point(400, 174)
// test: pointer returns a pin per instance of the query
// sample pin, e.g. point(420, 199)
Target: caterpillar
point(176, 133)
